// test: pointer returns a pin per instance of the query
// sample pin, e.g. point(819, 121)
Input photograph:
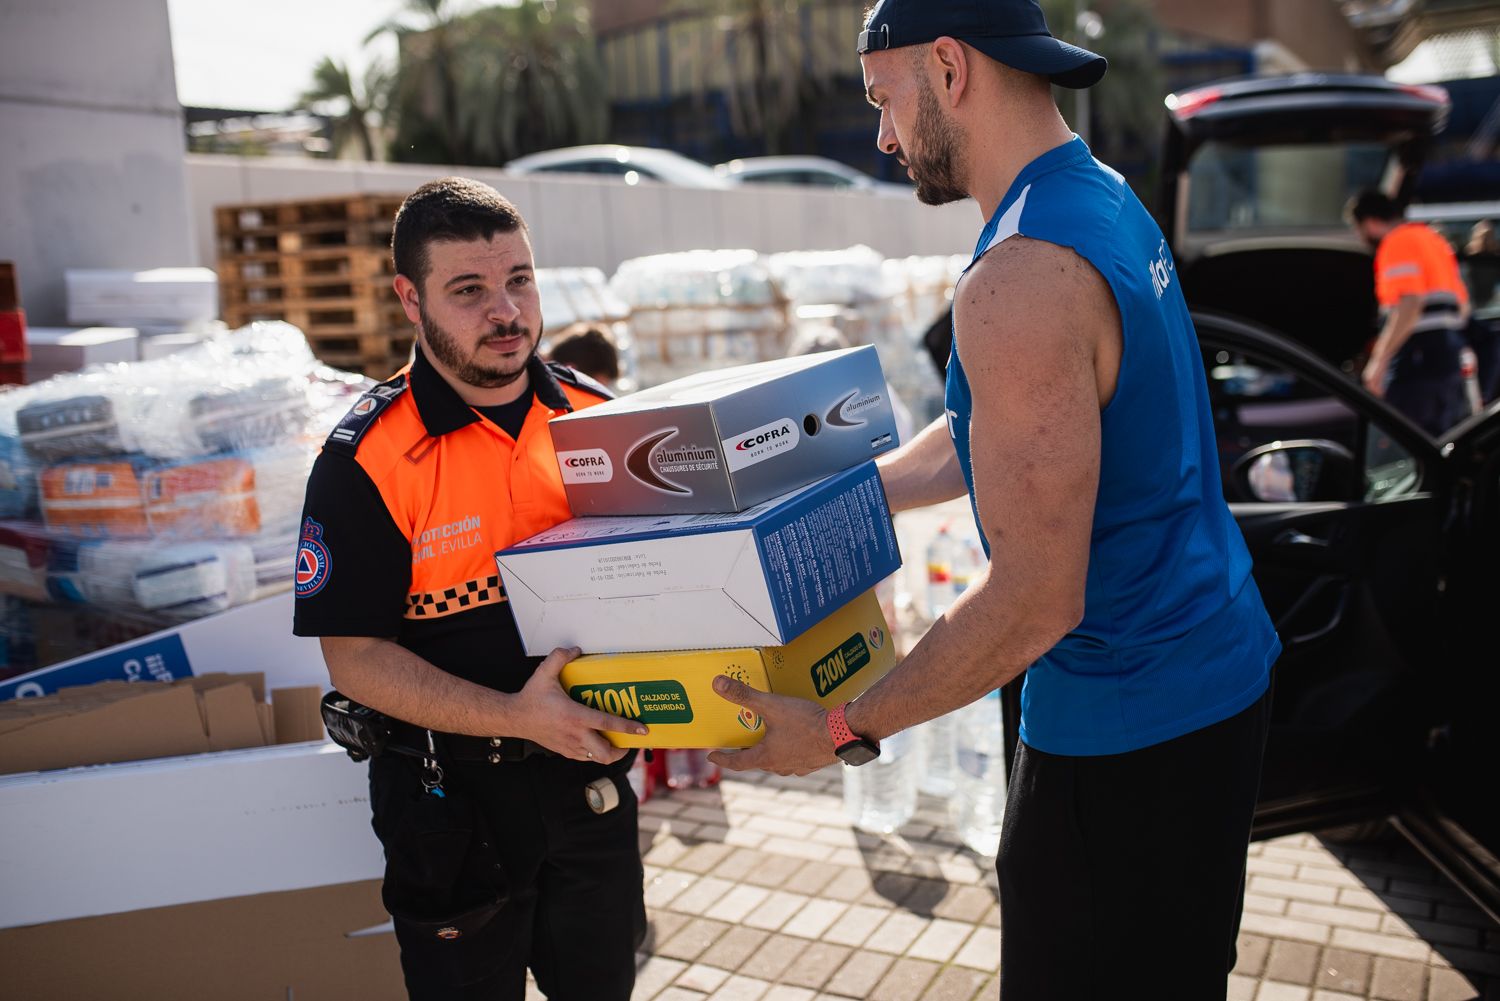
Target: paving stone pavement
point(759, 890)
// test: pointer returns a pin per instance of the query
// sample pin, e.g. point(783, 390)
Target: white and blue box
point(759, 577)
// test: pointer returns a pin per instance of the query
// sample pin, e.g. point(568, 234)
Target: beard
point(934, 155)
point(445, 348)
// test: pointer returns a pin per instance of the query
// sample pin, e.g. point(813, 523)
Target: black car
point(1255, 175)
point(1375, 546)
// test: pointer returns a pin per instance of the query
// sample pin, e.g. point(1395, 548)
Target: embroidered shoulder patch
point(314, 563)
point(361, 417)
point(573, 377)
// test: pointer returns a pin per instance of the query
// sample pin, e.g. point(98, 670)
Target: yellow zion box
point(672, 692)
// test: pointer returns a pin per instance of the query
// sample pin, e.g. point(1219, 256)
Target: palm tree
point(485, 86)
point(531, 79)
point(1126, 109)
point(427, 35)
point(334, 85)
point(771, 64)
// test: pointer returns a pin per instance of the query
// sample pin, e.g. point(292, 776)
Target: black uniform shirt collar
point(443, 411)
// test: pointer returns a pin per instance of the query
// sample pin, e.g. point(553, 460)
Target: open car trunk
point(1255, 174)
point(1322, 298)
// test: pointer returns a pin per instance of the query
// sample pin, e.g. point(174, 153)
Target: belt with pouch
point(408, 739)
point(365, 733)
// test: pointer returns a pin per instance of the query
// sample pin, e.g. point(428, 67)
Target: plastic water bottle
point(882, 795)
point(690, 769)
point(978, 802)
point(942, 553)
point(937, 755)
point(968, 561)
point(1469, 369)
point(642, 781)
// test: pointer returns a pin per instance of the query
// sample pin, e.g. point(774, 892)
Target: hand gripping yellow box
point(672, 691)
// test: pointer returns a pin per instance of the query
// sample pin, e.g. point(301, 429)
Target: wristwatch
point(851, 749)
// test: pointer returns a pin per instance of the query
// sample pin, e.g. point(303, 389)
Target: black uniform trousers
point(1122, 876)
point(1426, 382)
point(507, 869)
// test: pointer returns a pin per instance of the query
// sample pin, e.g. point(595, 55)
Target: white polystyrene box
point(165, 296)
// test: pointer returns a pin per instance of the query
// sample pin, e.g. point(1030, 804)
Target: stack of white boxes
point(145, 314)
point(733, 523)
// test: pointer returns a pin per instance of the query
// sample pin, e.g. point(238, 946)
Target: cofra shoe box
point(727, 439)
point(672, 692)
point(755, 578)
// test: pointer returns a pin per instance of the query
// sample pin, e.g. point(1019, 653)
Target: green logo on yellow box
point(649, 701)
point(837, 667)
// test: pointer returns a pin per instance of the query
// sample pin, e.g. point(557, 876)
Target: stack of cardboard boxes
point(730, 523)
point(112, 721)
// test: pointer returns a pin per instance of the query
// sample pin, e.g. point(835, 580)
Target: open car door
point(1374, 549)
point(1342, 504)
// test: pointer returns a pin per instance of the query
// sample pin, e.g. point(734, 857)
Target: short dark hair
point(590, 351)
point(1372, 204)
point(450, 208)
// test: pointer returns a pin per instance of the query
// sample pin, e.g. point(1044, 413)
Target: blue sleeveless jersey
point(1174, 635)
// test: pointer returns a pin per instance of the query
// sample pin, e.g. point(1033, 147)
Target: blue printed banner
point(159, 659)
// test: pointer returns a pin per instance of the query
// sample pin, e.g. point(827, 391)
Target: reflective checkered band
point(458, 598)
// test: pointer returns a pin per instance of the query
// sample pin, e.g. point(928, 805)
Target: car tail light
point(1437, 95)
point(1189, 104)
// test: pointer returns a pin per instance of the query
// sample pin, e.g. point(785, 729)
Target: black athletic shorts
point(1122, 876)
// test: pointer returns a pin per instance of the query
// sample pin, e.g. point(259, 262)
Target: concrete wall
point(91, 144)
point(578, 221)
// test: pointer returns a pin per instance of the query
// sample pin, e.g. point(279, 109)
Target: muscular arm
point(393, 680)
point(1039, 333)
point(1396, 332)
point(1035, 373)
point(924, 471)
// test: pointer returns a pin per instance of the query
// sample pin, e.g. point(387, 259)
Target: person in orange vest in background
point(1416, 363)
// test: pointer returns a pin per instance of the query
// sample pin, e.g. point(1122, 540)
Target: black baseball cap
point(1013, 32)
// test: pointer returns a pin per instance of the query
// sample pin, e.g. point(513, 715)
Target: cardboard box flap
point(162, 720)
point(266, 714)
point(256, 681)
point(693, 620)
point(745, 585)
point(620, 570)
point(586, 532)
point(298, 715)
point(232, 722)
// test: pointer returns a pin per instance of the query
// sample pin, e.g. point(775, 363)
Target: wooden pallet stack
point(323, 265)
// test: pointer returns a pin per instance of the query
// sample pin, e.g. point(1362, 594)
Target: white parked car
point(630, 163)
point(815, 171)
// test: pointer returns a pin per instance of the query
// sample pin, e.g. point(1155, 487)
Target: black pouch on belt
point(443, 878)
point(358, 729)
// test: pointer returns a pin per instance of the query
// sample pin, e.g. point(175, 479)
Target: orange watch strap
point(838, 728)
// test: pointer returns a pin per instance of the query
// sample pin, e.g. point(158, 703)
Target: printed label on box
point(845, 413)
point(760, 444)
point(650, 701)
point(589, 465)
point(840, 665)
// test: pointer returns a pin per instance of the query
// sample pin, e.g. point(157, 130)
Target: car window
point(1234, 187)
point(613, 167)
point(1257, 403)
point(816, 178)
point(823, 179)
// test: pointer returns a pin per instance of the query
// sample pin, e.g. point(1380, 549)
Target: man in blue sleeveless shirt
point(1078, 423)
